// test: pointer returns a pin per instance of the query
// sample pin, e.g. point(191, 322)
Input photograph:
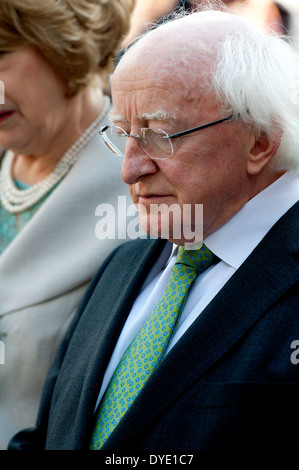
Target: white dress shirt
point(232, 243)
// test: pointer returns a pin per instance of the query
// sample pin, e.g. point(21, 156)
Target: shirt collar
point(235, 240)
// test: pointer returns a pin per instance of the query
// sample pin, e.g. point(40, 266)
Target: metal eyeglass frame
point(166, 136)
point(189, 131)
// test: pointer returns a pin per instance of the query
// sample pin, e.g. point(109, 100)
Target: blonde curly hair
point(79, 38)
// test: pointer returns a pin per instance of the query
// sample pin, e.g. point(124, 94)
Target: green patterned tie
point(149, 346)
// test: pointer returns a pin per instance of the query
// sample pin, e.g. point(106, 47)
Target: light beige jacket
point(43, 275)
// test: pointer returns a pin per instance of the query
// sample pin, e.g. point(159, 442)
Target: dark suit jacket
point(228, 383)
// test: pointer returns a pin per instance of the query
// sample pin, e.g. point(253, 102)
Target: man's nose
point(136, 163)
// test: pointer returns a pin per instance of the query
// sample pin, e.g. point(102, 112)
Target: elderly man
point(175, 346)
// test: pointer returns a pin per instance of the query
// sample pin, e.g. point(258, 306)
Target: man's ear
point(261, 152)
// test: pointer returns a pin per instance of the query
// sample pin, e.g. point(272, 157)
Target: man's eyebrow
point(158, 115)
point(117, 118)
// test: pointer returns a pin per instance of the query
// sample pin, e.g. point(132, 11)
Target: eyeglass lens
point(156, 144)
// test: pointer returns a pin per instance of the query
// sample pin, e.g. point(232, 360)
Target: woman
point(55, 171)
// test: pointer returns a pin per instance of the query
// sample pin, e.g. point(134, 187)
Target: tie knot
point(197, 259)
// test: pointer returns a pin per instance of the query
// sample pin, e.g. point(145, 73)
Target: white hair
point(257, 77)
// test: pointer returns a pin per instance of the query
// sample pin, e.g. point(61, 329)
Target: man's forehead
point(178, 64)
point(184, 48)
point(149, 95)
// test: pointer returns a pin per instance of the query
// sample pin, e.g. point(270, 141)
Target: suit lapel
point(265, 276)
point(103, 318)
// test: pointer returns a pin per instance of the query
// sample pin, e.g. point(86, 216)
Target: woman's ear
point(261, 152)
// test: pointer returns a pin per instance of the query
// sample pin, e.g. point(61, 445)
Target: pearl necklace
point(16, 200)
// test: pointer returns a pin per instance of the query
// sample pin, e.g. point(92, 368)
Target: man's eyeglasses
point(157, 144)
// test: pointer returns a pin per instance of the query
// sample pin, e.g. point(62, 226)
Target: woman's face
point(35, 105)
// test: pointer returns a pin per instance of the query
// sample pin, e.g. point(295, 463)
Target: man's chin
point(171, 223)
